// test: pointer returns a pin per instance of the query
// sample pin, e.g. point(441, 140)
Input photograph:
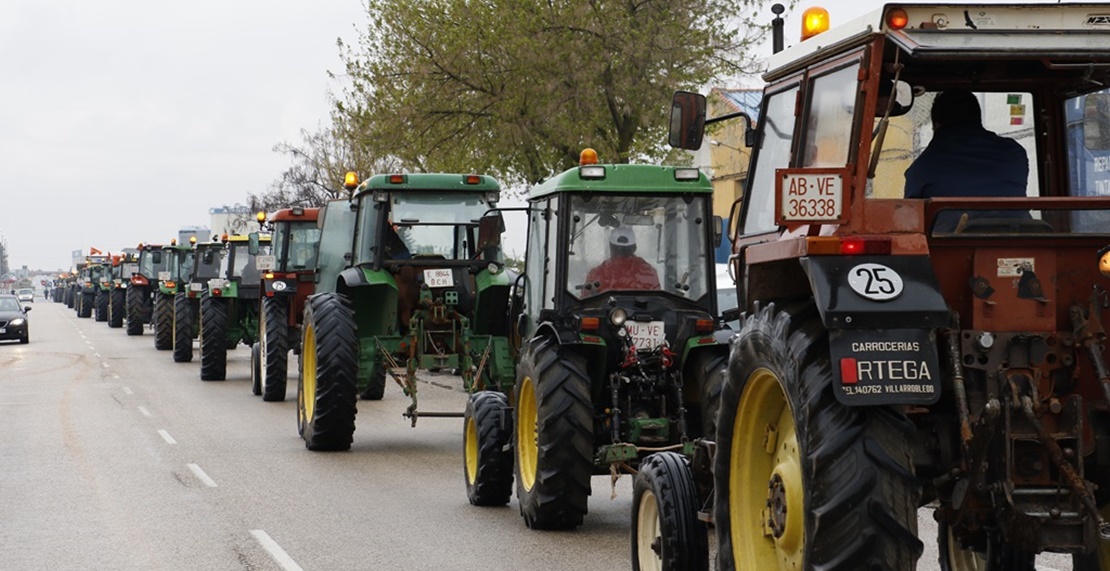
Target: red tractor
point(289, 277)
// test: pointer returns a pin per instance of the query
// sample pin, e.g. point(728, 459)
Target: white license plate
point(438, 278)
point(3, 330)
point(164, 276)
point(646, 334)
point(263, 263)
point(196, 286)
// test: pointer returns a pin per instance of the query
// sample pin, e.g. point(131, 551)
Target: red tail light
point(703, 325)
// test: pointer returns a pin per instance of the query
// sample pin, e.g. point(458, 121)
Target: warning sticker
point(897, 366)
point(1014, 267)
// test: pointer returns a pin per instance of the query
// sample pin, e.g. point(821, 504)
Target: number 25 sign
point(810, 196)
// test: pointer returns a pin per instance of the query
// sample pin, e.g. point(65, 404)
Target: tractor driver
point(965, 159)
point(624, 269)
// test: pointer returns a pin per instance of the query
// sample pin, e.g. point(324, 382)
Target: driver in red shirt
point(624, 269)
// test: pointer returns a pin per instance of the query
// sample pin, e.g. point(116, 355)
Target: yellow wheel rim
point(527, 451)
point(647, 533)
point(308, 374)
point(471, 450)
point(766, 495)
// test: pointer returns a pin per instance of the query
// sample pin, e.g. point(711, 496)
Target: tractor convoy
point(898, 345)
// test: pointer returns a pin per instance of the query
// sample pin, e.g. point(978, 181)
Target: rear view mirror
point(252, 243)
point(490, 228)
point(718, 230)
point(1096, 122)
point(687, 120)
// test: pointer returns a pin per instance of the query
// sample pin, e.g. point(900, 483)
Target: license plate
point(164, 276)
point(195, 286)
point(263, 263)
point(3, 330)
point(438, 278)
point(646, 334)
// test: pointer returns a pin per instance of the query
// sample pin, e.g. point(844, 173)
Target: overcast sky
point(124, 120)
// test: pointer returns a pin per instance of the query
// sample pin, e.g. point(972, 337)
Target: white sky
point(124, 120)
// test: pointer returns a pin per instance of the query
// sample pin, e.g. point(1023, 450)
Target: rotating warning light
point(896, 19)
point(192, 239)
point(261, 216)
point(350, 180)
point(1104, 261)
point(587, 157)
point(814, 21)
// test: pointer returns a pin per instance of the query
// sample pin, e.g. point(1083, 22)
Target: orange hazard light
point(814, 21)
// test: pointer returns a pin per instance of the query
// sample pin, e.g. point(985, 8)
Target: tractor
point(420, 285)
point(123, 267)
point(229, 304)
point(207, 266)
point(88, 286)
point(178, 266)
point(619, 338)
point(289, 278)
point(139, 299)
point(895, 353)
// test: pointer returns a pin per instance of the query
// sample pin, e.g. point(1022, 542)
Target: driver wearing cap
point(624, 269)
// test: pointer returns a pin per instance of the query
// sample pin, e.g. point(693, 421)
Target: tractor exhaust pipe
point(776, 28)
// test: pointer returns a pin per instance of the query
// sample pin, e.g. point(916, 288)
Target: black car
point(13, 319)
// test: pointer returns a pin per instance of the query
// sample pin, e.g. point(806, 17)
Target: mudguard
point(881, 313)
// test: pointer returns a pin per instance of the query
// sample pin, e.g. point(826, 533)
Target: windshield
point(209, 262)
point(637, 243)
point(299, 241)
point(9, 304)
point(432, 225)
point(242, 262)
point(151, 262)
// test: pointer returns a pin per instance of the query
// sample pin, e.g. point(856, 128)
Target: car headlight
point(17, 322)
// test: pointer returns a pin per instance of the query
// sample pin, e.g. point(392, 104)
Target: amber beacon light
point(814, 21)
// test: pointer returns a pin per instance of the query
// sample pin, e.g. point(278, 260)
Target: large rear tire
point(182, 328)
point(326, 386)
point(666, 533)
point(487, 464)
point(274, 353)
point(85, 305)
point(256, 369)
point(101, 305)
point(213, 338)
point(554, 437)
point(163, 321)
point(802, 481)
point(116, 301)
point(136, 303)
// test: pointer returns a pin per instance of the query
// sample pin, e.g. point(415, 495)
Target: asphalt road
point(114, 457)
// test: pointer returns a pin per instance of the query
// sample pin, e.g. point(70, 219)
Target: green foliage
point(516, 88)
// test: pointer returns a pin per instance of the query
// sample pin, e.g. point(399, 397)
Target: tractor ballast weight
point(414, 291)
point(288, 278)
point(901, 352)
point(621, 342)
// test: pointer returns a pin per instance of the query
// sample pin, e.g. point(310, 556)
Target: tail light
point(848, 246)
point(703, 326)
point(589, 323)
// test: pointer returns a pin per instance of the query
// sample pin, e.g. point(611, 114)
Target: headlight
point(618, 316)
point(17, 322)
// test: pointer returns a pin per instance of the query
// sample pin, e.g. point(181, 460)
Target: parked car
point(13, 319)
point(25, 294)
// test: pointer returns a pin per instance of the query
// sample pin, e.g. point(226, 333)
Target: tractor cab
point(152, 261)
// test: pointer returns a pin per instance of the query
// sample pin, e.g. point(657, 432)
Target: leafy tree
point(518, 87)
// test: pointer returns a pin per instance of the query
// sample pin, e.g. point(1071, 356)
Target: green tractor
point(418, 286)
point(178, 260)
point(123, 266)
point(288, 280)
point(621, 347)
point(229, 304)
point(207, 265)
point(139, 300)
point(89, 285)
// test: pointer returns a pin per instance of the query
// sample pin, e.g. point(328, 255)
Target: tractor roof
point(430, 182)
point(295, 214)
point(981, 31)
point(263, 238)
point(622, 178)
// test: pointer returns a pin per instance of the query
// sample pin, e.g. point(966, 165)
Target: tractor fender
point(352, 277)
point(881, 314)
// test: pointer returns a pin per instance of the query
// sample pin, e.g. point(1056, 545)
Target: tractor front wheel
point(326, 386)
point(182, 329)
point(554, 437)
point(101, 305)
point(163, 321)
point(801, 480)
point(116, 301)
point(274, 353)
point(666, 533)
point(213, 338)
point(487, 463)
point(134, 303)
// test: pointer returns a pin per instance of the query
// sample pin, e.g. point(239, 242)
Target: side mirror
point(490, 228)
point(252, 243)
point(687, 120)
point(1096, 121)
point(903, 98)
point(26, 308)
point(718, 230)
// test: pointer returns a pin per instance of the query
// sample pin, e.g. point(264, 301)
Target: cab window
point(773, 152)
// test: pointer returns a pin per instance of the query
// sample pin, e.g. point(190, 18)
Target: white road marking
point(145, 412)
point(128, 390)
point(280, 556)
point(115, 376)
point(105, 365)
point(202, 476)
point(166, 436)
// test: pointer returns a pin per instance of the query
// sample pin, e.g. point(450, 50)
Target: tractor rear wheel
point(163, 321)
point(1000, 556)
point(85, 305)
point(213, 338)
point(666, 533)
point(554, 437)
point(802, 481)
point(375, 388)
point(182, 329)
point(116, 301)
point(710, 370)
point(326, 387)
point(134, 302)
point(101, 305)
point(487, 465)
point(256, 369)
point(274, 353)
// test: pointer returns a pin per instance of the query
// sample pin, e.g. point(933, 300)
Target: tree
point(517, 88)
